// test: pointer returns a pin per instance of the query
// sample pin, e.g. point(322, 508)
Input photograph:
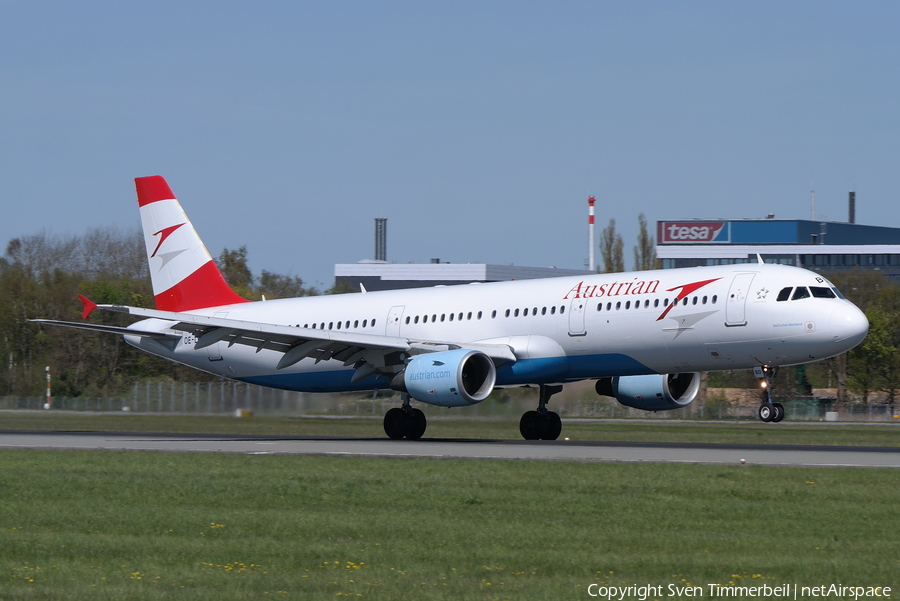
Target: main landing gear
point(542, 424)
point(405, 421)
point(768, 411)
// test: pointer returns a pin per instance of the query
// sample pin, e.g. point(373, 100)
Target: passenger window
point(469, 314)
point(494, 314)
point(525, 312)
point(373, 323)
point(655, 302)
point(479, 315)
point(407, 321)
point(553, 310)
point(365, 321)
point(618, 305)
point(416, 320)
point(694, 302)
point(452, 315)
point(460, 317)
point(599, 306)
point(704, 300)
point(800, 292)
point(356, 322)
point(821, 292)
point(562, 309)
point(507, 312)
point(544, 311)
point(627, 304)
point(784, 294)
point(608, 306)
point(516, 313)
point(715, 298)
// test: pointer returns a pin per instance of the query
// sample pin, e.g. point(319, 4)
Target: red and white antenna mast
point(591, 202)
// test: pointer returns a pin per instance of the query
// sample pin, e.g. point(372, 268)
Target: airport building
point(381, 275)
point(815, 245)
point(820, 246)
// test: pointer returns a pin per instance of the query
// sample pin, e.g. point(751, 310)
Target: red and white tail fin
point(183, 273)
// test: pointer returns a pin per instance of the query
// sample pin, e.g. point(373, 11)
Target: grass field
point(750, 432)
point(135, 525)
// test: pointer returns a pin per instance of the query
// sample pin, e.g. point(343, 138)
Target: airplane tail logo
point(183, 273)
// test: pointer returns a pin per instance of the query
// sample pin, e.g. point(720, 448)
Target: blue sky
point(478, 129)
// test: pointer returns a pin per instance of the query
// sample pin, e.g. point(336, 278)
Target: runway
point(720, 454)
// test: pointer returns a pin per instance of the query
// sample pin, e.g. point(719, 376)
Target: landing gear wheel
point(531, 425)
point(542, 424)
point(779, 412)
point(395, 423)
point(417, 424)
point(767, 412)
point(552, 426)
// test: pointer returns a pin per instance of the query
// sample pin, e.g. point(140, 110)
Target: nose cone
point(849, 326)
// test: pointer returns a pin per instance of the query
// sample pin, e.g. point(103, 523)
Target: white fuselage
point(560, 329)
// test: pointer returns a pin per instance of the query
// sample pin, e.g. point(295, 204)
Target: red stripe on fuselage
point(686, 289)
point(151, 189)
point(204, 288)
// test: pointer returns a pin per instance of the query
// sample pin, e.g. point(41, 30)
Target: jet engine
point(456, 378)
point(657, 392)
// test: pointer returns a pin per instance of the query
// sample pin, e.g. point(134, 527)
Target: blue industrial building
point(816, 245)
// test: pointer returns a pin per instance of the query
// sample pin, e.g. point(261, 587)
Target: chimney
point(591, 202)
point(852, 218)
point(381, 238)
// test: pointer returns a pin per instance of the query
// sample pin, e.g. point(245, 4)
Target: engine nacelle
point(657, 392)
point(450, 378)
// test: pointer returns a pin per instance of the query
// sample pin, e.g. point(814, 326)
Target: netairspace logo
point(718, 591)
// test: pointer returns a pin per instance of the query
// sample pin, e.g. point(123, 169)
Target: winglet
point(89, 306)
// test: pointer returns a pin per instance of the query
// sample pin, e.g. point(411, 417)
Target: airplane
point(643, 336)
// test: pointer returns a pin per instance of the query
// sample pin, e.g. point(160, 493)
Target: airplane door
point(576, 317)
point(393, 322)
point(737, 300)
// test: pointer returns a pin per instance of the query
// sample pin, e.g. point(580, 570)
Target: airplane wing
point(366, 352)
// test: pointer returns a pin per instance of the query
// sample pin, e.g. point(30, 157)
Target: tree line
point(41, 276)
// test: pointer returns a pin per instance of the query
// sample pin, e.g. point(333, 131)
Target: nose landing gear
point(768, 411)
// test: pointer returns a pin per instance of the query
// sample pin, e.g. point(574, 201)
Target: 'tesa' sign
point(692, 232)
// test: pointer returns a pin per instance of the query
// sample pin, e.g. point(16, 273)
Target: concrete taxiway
point(722, 454)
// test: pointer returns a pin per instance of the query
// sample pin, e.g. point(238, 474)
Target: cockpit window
point(800, 292)
point(838, 292)
point(785, 294)
point(821, 292)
